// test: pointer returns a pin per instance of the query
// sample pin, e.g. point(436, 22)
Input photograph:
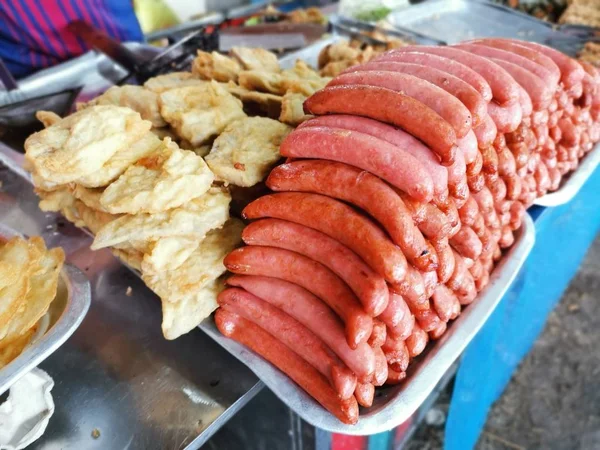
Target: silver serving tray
point(64, 315)
point(395, 404)
point(572, 183)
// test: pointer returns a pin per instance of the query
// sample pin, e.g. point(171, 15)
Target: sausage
point(381, 367)
point(506, 118)
point(397, 317)
point(486, 131)
point(555, 178)
point(416, 342)
point(450, 66)
point(364, 393)
point(412, 288)
point(451, 211)
point(364, 190)
point(484, 200)
point(514, 46)
point(545, 77)
point(286, 360)
point(427, 319)
point(439, 331)
point(444, 104)
point(468, 212)
point(506, 162)
point(517, 211)
point(497, 188)
point(369, 287)
point(482, 282)
point(570, 134)
point(390, 107)
point(571, 71)
point(469, 146)
point(475, 167)
point(456, 281)
point(311, 275)
point(313, 314)
point(460, 89)
point(395, 136)
point(396, 352)
point(490, 160)
point(525, 104)
point(291, 333)
point(468, 291)
point(366, 152)
point(457, 178)
point(430, 220)
point(520, 152)
point(430, 280)
point(466, 243)
point(338, 221)
point(378, 335)
point(507, 238)
point(476, 269)
point(542, 178)
point(445, 260)
point(395, 377)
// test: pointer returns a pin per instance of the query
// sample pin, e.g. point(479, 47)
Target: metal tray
point(571, 185)
point(64, 315)
point(454, 21)
point(395, 404)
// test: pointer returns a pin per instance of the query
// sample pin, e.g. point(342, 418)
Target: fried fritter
point(173, 80)
point(292, 109)
point(48, 118)
point(199, 112)
point(215, 66)
point(246, 151)
point(256, 59)
point(168, 253)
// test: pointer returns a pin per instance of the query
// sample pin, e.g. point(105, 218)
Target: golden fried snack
point(292, 109)
point(83, 142)
point(90, 197)
point(168, 253)
point(215, 66)
point(173, 80)
point(199, 112)
point(165, 179)
point(256, 59)
point(137, 98)
point(247, 149)
point(48, 118)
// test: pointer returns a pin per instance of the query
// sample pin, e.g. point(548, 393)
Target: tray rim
point(77, 305)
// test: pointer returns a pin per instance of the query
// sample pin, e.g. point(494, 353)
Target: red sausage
point(468, 145)
point(364, 190)
point(466, 243)
point(412, 287)
point(506, 118)
point(457, 178)
point(395, 136)
point(439, 331)
point(378, 335)
point(445, 105)
point(381, 367)
point(475, 167)
point(427, 319)
point(369, 287)
point(490, 160)
point(506, 162)
point(393, 164)
point(445, 258)
point(465, 73)
point(468, 212)
point(416, 342)
point(311, 275)
point(396, 352)
point(397, 317)
point(364, 393)
point(390, 107)
point(395, 377)
point(338, 221)
point(486, 131)
point(431, 221)
point(476, 183)
point(286, 360)
point(313, 314)
point(291, 333)
point(504, 88)
point(430, 280)
point(450, 83)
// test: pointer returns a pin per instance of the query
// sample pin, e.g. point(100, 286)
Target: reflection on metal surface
point(117, 374)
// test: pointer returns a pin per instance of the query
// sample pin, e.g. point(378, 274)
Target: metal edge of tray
point(76, 307)
point(397, 403)
point(573, 182)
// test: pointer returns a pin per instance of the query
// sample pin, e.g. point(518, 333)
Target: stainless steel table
point(119, 383)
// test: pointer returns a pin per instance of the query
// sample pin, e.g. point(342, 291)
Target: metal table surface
point(117, 376)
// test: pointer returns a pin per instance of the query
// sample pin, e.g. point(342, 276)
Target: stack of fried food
point(590, 53)
point(581, 12)
point(28, 282)
point(395, 205)
point(339, 56)
point(129, 167)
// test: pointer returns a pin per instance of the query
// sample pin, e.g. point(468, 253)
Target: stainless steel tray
point(65, 314)
point(458, 20)
point(397, 403)
point(573, 182)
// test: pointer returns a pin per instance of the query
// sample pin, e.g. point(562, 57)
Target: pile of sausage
point(394, 204)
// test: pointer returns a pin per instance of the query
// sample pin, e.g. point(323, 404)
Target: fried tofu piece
point(83, 142)
point(263, 81)
point(194, 219)
point(280, 83)
point(215, 66)
point(165, 179)
point(292, 109)
point(173, 80)
point(137, 98)
point(120, 161)
point(18, 255)
point(204, 265)
point(199, 112)
point(48, 118)
point(183, 316)
point(90, 197)
point(93, 219)
point(246, 151)
point(168, 253)
point(133, 258)
point(55, 200)
point(256, 59)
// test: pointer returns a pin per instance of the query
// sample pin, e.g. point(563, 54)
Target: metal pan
point(64, 315)
point(573, 182)
point(395, 404)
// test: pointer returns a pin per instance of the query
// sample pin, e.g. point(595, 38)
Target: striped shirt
point(34, 34)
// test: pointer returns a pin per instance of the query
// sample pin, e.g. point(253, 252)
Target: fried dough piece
point(90, 197)
point(203, 266)
point(301, 79)
point(166, 179)
point(199, 112)
point(215, 66)
point(10, 349)
point(263, 81)
point(137, 98)
point(83, 142)
point(133, 258)
point(55, 200)
point(256, 59)
point(292, 109)
point(120, 161)
point(183, 316)
point(173, 80)
point(48, 118)
point(246, 151)
point(194, 219)
point(92, 219)
point(168, 253)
